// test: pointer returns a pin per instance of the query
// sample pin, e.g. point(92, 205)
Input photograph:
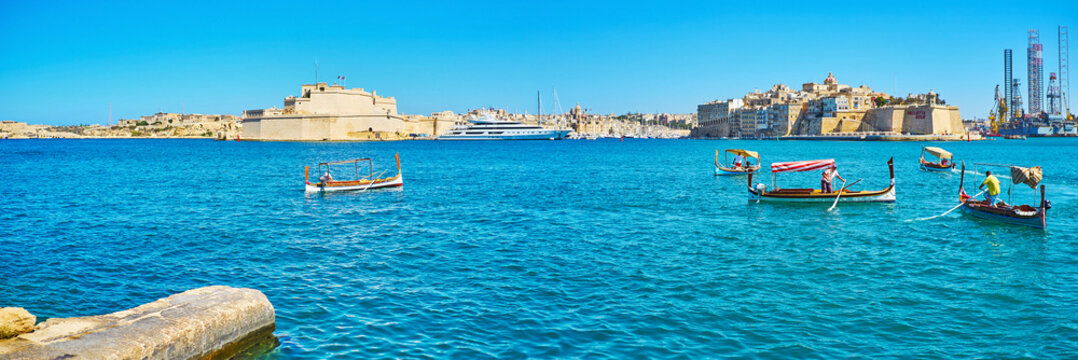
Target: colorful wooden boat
point(945, 162)
point(358, 184)
point(1024, 215)
point(732, 170)
point(760, 192)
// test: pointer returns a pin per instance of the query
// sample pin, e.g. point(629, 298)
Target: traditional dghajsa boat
point(760, 192)
point(946, 162)
point(1025, 215)
point(365, 183)
point(721, 169)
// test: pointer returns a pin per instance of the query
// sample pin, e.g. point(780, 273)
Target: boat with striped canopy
point(761, 193)
point(945, 163)
point(728, 169)
point(326, 183)
point(1024, 215)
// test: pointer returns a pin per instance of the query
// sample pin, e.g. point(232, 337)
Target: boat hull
point(885, 195)
point(722, 171)
point(546, 135)
point(935, 167)
point(1028, 129)
point(1037, 221)
point(340, 186)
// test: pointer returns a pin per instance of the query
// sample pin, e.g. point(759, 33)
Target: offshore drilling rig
point(1055, 119)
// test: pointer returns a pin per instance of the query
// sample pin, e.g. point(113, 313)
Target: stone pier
point(204, 323)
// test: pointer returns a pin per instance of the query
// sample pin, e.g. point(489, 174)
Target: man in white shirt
point(739, 160)
point(828, 176)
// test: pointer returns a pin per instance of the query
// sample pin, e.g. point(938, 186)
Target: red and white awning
point(796, 166)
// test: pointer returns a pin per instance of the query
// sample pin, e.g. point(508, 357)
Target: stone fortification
point(328, 112)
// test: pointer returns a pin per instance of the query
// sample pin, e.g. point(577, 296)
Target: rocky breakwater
point(204, 323)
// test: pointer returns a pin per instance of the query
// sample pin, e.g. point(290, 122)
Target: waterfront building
point(752, 122)
point(717, 118)
point(834, 104)
point(328, 112)
point(782, 117)
point(914, 119)
point(827, 108)
point(438, 123)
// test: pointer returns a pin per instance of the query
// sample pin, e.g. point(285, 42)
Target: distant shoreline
point(109, 137)
point(864, 137)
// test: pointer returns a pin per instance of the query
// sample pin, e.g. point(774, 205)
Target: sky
point(66, 63)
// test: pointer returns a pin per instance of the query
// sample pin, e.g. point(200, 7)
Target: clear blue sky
point(63, 63)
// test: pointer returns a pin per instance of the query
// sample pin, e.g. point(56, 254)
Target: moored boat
point(489, 127)
point(1024, 215)
point(760, 192)
point(326, 183)
point(945, 163)
point(732, 169)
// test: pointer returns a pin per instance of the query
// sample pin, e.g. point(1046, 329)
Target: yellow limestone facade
point(328, 112)
point(829, 108)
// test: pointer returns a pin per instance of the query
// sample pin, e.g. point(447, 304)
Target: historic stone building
point(328, 112)
point(825, 109)
point(717, 118)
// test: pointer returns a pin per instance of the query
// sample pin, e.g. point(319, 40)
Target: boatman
point(326, 177)
point(829, 175)
point(992, 197)
point(738, 160)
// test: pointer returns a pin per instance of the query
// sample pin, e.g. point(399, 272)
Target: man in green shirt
point(993, 188)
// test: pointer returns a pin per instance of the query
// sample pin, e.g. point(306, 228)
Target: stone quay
point(205, 323)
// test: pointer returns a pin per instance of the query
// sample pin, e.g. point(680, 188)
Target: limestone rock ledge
point(203, 323)
point(15, 321)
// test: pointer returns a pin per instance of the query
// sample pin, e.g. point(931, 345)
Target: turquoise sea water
point(597, 249)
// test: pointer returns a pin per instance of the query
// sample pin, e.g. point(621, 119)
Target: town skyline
point(610, 58)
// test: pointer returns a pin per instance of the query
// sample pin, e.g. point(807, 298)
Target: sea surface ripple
point(550, 249)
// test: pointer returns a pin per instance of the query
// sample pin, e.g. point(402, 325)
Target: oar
point(841, 190)
point(372, 181)
point(952, 209)
point(839, 195)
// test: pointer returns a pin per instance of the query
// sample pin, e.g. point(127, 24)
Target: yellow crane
point(999, 112)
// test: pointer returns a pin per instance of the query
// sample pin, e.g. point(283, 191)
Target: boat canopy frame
point(798, 166)
point(746, 153)
point(937, 152)
point(1010, 184)
point(370, 165)
point(1042, 206)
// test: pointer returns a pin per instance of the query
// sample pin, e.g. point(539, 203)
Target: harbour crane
point(999, 111)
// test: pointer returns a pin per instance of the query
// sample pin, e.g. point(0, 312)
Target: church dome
point(830, 79)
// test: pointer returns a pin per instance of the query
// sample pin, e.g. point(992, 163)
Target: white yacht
point(488, 127)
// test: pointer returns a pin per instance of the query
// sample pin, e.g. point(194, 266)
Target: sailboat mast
point(539, 95)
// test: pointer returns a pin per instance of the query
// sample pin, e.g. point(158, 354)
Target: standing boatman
point(828, 175)
point(992, 197)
